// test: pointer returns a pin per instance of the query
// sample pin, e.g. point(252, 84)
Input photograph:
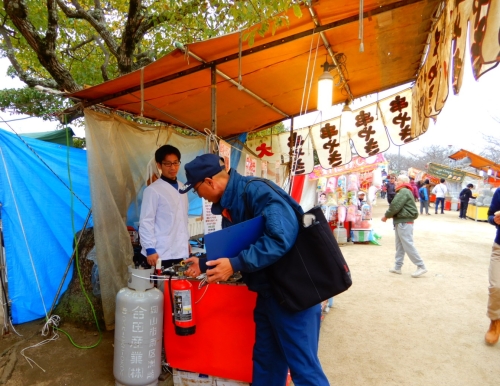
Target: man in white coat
point(163, 225)
point(440, 191)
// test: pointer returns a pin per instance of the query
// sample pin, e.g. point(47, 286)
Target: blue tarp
point(37, 218)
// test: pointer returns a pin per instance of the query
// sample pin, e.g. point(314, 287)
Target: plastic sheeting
point(37, 217)
point(119, 152)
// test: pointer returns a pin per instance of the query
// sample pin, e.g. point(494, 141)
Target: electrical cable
point(77, 262)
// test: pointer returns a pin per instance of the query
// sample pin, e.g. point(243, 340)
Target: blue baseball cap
point(203, 166)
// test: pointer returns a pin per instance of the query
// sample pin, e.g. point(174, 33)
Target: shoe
point(327, 309)
point(394, 270)
point(493, 333)
point(442, 212)
point(419, 272)
point(428, 214)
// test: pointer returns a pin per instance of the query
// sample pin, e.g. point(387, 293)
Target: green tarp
point(57, 136)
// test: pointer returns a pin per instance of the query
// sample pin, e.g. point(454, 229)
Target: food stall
point(196, 88)
point(347, 194)
point(455, 178)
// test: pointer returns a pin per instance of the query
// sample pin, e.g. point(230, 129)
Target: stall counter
point(477, 213)
point(225, 332)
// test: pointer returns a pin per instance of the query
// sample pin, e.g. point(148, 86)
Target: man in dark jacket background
point(391, 189)
point(283, 339)
point(404, 212)
point(465, 196)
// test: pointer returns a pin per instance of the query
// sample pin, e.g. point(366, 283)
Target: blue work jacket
point(280, 229)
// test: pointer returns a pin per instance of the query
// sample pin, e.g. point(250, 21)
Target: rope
point(361, 28)
point(211, 137)
point(312, 75)
point(305, 79)
point(142, 91)
point(240, 79)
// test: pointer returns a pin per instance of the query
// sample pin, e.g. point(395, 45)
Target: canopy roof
point(177, 87)
point(477, 161)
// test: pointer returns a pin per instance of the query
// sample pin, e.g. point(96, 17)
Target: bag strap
point(297, 213)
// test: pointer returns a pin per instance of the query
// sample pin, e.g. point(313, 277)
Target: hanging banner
point(369, 137)
point(397, 113)
point(267, 149)
point(447, 173)
point(358, 164)
point(225, 153)
point(420, 122)
point(459, 42)
point(300, 144)
point(333, 148)
point(484, 27)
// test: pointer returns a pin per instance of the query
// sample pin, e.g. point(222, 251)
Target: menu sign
point(447, 173)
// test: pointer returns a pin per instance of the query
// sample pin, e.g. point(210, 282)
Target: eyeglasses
point(195, 190)
point(170, 164)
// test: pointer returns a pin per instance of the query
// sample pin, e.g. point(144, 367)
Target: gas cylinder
point(182, 305)
point(138, 331)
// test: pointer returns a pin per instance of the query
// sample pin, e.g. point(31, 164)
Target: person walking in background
point(383, 191)
point(493, 312)
point(391, 189)
point(465, 196)
point(440, 191)
point(414, 188)
point(424, 198)
point(403, 211)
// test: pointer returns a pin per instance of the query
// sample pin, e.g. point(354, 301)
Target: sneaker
point(327, 309)
point(394, 270)
point(419, 272)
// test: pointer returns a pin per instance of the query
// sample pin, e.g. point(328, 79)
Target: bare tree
point(492, 150)
point(434, 153)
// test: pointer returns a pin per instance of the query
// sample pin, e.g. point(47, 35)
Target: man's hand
point(384, 219)
point(152, 259)
point(221, 271)
point(194, 269)
point(496, 219)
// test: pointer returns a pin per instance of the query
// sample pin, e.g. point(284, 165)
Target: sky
point(461, 124)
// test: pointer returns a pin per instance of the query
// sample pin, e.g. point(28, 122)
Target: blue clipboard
point(229, 242)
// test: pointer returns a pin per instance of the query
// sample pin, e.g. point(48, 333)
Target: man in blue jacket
point(493, 313)
point(283, 339)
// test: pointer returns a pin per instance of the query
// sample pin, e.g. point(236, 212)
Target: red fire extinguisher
point(181, 300)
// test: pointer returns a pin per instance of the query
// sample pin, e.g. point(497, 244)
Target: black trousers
point(463, 208)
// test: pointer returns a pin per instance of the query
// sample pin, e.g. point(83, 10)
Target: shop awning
point(177, 87)
point(477, 162)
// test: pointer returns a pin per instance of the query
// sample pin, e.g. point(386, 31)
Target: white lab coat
point(164, 221)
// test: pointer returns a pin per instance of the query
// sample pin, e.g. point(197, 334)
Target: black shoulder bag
point(314, 269)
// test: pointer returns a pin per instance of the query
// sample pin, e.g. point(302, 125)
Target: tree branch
point(74, 48)
point(68, 11)
point(104, 66)
point(44, 47)
point(30, 81)
point(98, 24)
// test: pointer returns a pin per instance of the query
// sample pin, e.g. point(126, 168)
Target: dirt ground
point(386, 329)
